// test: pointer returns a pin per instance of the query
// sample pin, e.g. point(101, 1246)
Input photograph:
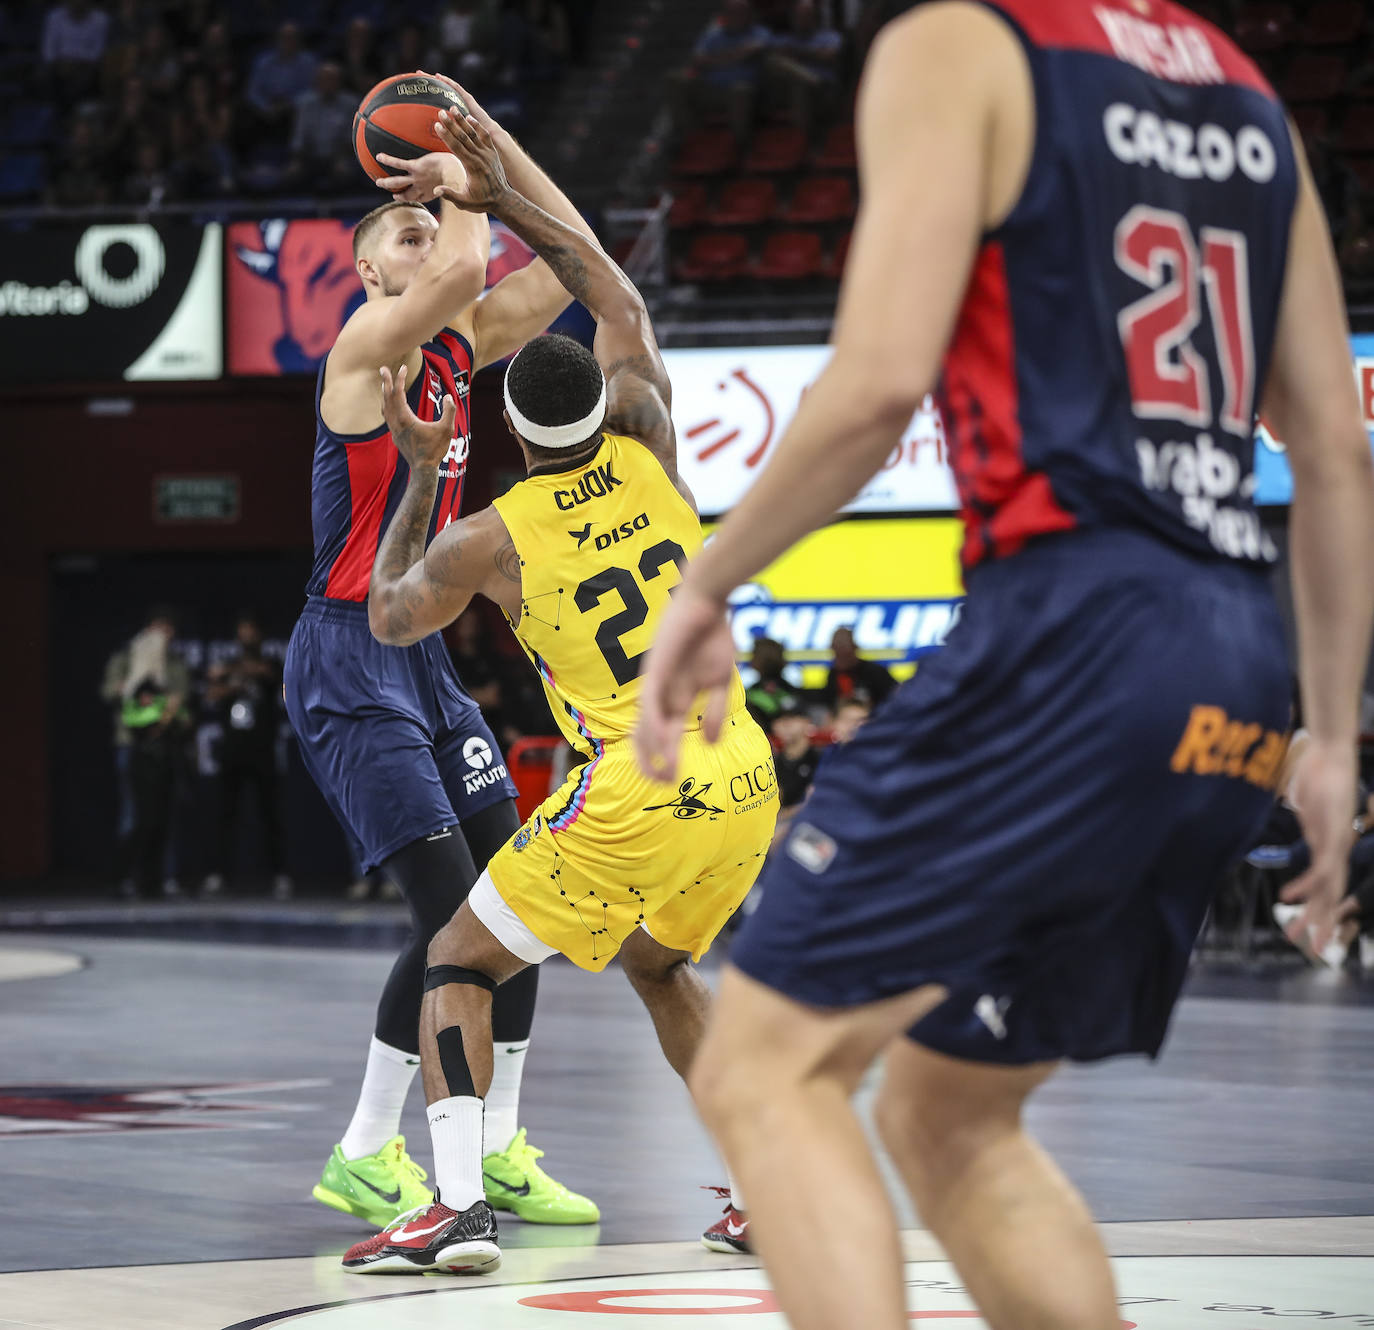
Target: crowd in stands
point(145, 102)
point(763, 168)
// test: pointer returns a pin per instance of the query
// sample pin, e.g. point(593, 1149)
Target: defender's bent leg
point(674, 993)
point(1019, 1234)
point(773, 1081)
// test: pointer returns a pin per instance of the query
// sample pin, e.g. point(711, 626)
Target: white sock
point(503, 1099)
point(377, 1117)
point(736, 1196)
point(455, 1128)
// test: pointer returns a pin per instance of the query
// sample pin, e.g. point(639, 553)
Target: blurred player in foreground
point(1088, 226)
point(582, 556)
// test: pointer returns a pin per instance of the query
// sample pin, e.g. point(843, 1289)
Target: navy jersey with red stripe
point(358, 479)
point(1117, 327)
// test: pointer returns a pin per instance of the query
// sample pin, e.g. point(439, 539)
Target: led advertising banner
point(292, 285)
point(125, 301)
point(895, 582)
point(732, 404)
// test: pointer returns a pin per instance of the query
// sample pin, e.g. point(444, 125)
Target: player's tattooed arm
point(638, 392)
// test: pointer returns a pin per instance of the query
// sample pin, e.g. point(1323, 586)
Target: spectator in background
point(155, 723)
point(361, 73)
point(723, 74)
point(79, 179)
point(159, 65)
point(201, 135)
point(132, 121)
point(768, 691)
point(803, 65)
point(146, 659)
point(849, 715)
point(74, 37)
point(462, 42)
point(410, 49)
point(278, 77)
point(549, 36)
point(852, 676)
point(795, 760)
point(214, 57)
point(321, 139)
point(245, 694)
point(147, 183)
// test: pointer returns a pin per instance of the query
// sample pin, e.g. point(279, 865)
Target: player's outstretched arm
point(946, 97)
point(522, 305)
point(1310, 400)
point(413, 592)
point(638, 392)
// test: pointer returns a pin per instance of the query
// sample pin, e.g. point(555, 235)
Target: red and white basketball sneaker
point(730, 1233)
point(430, 1237)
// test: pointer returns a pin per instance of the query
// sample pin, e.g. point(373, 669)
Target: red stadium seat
point(706, 152)
point(1362, 168)
point(688, 204)
point(1264, 28)
point(837, 152)
point(1312, 122)
point(821, 199)
point(775, 150)
point(1314, 76)
point(790, 256)
point(834, 266)
point(714, 256)
point(743, 203)
point(1357, 130)
point(1332, 23)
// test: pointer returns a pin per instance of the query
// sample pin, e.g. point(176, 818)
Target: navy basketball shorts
point(1038, 819)
point(396, 746)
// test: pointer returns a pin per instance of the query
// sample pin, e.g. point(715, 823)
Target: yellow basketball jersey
point(601, 546)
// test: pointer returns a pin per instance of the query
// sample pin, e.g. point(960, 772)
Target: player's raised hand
point(1322, 793)
point(474, 148)
point(423, 443)
point(475, 108)
point(417, 179)
point(693, 653)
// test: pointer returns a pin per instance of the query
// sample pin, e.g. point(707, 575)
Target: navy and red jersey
point(358, 480)
point(1117, 327)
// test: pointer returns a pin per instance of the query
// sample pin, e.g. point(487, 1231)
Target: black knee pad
point(454, 1062)
point(436, 976)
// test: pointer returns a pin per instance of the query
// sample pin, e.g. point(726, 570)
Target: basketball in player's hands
point(397, 117)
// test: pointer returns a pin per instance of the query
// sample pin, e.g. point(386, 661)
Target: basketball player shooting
point(397, 747)
point(1089, 227)
point(582, 556)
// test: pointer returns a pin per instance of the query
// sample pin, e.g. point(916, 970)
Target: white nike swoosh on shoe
point(403, 1233)
point(736, 1230)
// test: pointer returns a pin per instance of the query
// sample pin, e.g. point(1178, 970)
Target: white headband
point(554, 436)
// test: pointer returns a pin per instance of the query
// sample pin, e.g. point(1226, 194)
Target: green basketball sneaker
point(514, 1181)
point(377, 1187)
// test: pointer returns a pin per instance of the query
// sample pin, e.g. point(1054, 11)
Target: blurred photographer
point(244, 694)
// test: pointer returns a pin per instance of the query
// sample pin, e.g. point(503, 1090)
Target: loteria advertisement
point(895, 582)
point(128, 301)
point(732, 404)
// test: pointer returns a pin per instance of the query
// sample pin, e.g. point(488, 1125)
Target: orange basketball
point(397, 117)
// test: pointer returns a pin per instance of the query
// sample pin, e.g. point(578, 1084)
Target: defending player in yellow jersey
point(582, 556)
point(600, 546)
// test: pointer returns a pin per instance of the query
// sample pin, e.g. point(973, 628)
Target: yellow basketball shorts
point(613, 851)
